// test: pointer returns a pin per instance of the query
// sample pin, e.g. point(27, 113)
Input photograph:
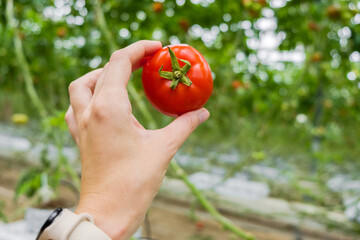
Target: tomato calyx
point(178, 74)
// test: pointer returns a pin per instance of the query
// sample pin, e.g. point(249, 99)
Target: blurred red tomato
point(157, 7)
point(316, 57)
point(313, 26)
point(333, 12)
point(199, 225)
point(184, 24)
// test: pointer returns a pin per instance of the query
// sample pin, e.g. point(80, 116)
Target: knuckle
point(67, 116)
point(99, 110)
point(120, 58)
point(122, 110)
point(173, 146)
point(141, 45)
point(171, 141)
point(191, 123)
point(73, 86)
point(116, 55)
point(84, 121)
point(141, 42)
point(127, 107)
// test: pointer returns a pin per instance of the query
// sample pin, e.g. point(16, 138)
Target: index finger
point(122, 62)
point(136, 52)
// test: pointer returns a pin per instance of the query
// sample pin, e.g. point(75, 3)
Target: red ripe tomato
point(179, 83)
point(236, 84)
point(313, 26)
point(199, 225)
point(184, 24)
point(61, 32)
point(262, 2)
point(157, 7)
point(316, 57)
point(333, 12)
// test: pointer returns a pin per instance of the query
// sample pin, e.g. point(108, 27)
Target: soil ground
point(166, 219)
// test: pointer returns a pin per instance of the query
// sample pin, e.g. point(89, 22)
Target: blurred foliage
point(2, 215)
point(61, 42)
point(286, 73)
point(42, 181)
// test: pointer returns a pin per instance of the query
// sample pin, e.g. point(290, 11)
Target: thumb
point(181, 128)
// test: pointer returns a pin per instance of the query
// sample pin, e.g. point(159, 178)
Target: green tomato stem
point(22, 62)
point(178, 74)
point(226, 223)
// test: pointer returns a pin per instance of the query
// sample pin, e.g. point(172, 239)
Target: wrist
point(116, 223)
point(113, 228)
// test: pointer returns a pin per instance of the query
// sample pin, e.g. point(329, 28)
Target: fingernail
point(203, 115)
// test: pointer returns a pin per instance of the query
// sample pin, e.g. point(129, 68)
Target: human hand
point(123, 164)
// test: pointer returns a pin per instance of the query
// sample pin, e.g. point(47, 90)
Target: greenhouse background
point(279, 155)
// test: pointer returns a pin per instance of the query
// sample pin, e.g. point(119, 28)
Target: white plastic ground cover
point(350, 190)
point(240, 188)
point(14, 144)
point(16, 231)
point(205, 181)
point(232, 187)
point(27, 228)
point(11, 146)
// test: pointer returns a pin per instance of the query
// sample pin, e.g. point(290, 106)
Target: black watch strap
point(64, 224)
point(49, 221)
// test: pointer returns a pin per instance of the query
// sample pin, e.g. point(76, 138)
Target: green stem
point(173, 164)
point(142, 107)
point(23, 64)
point(226, 223)
point(100, 20)
point(178, 74)
point(29, 83)
point(67, 167)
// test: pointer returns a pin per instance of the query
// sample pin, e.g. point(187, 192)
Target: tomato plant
point(177, 79)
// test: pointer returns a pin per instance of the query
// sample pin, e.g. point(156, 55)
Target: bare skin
point(123, 164)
